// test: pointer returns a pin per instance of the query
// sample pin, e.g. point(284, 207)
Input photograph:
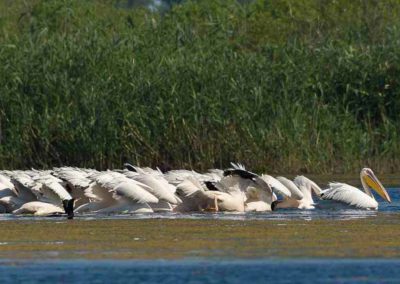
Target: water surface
point(256, 271)
point(302, 246)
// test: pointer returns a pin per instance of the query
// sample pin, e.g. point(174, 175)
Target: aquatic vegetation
point(279, 85)
point(176, 239)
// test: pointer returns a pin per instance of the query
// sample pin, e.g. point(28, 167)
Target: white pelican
point(301, 189)
point(39, 208)
point(157, 185)
point(259, 194)
point(39, 187)
point(76, 181)
point(268, 184)
point(352, 196)
point(55, 193)
point(114, 192)
point(228, 196)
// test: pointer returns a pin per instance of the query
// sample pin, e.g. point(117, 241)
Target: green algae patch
point(182, 238)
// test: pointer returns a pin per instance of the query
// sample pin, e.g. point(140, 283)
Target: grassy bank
point(282, 86)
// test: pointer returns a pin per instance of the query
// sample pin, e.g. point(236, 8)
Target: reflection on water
point(282, 214)
point(192, 271)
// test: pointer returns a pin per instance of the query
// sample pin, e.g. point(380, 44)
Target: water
point(192, 271)
point(204, 264)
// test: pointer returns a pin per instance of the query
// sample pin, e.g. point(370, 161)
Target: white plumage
point(350, 195)
point(146, 190)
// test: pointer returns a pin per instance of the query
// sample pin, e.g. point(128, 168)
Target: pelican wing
point(132, 191)
point(309, 184)
point(194, 197)
point(23, 185)
point(145, 170)
point(238, 166)
point(263, 189)
point(99, 193)
point(348, 194)
point(159, 187)
point(130, 174)
point(176, 177)
point(52, 188)
point(233, 183)
point(215, 174)
point(277, 186)
point(189, 187)
point(109, 179)
point(5, 182)
point(74, 177)
point(294, 190)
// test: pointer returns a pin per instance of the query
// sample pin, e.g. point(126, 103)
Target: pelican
point(53, 192)
point(269, 184)
point(41, 188)
point(114, 192)
point(301, 189)
point(76, 181)
point(39, 208)
point(6, 187)
point(352, 196)
point(157, 185)
point(226, 195)
point(259, 193)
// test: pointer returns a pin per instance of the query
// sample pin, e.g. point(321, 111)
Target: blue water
point(191, 271)
point(214, 271)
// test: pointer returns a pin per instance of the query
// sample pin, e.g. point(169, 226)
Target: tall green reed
point(85, 83)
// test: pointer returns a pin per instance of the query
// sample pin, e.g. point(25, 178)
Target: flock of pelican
point(69, 190)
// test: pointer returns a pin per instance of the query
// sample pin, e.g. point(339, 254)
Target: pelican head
point(369, 180)
point(69, 207)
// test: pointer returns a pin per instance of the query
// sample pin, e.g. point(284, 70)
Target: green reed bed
point(282, 86)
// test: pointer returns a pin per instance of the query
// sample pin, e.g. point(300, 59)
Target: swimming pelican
point(39, 187)
point(114, 192)
point(54, 192)
point(259, 193)
point(226, 195)
point(301, 189)
point(159, 187)
point(75, 181)
point(352, 196)
point(39, 208)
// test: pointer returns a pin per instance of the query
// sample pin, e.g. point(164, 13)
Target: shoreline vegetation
point(280, 86)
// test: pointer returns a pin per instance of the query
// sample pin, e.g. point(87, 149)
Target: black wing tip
point(129, 167)
point(211, 186)
point(242, 173)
